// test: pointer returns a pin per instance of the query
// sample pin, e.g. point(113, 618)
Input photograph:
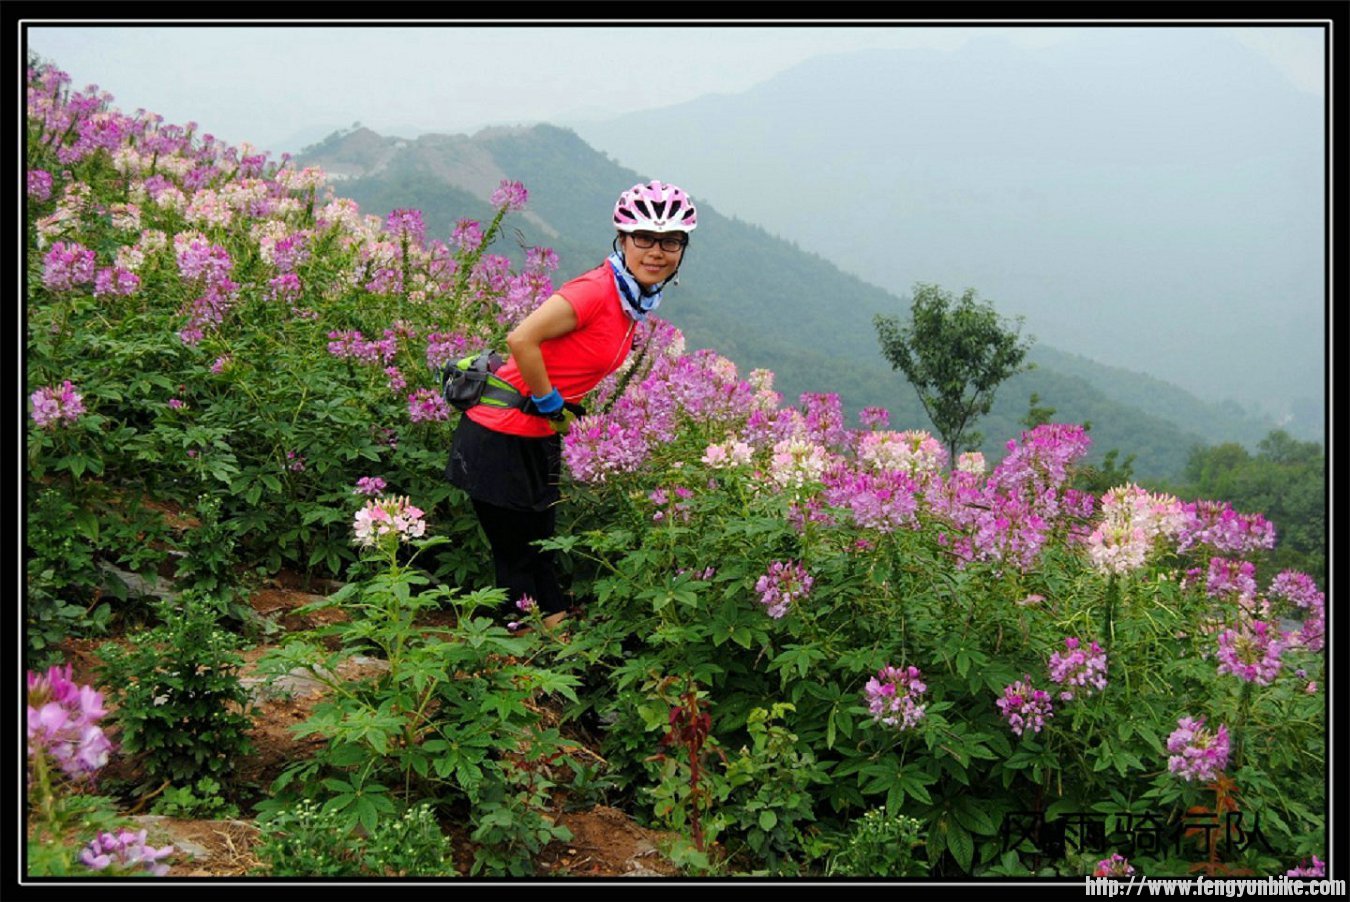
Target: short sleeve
point(585, 298)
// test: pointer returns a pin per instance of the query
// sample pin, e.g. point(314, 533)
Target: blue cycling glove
point(548, 404)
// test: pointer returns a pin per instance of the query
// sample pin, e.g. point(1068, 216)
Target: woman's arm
point(551, 319)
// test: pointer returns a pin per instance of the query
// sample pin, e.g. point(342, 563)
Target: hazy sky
point(267, 85)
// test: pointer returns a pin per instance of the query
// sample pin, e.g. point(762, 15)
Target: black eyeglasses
point(670, 243)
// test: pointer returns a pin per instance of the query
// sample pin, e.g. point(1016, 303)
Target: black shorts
point(509, 471)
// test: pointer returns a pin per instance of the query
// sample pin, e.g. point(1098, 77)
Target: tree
point(955, 354)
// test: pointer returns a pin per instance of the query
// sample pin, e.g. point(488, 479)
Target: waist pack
point(470, 381)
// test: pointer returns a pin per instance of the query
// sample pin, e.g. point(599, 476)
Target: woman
point(508, 459)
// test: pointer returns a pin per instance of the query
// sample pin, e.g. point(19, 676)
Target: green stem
point(1240, 732)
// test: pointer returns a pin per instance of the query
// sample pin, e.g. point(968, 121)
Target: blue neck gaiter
point(637, 304)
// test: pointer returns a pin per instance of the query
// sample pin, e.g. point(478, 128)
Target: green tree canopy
point(955, 353)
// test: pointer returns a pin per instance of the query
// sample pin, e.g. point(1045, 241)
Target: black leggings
point(522, 568)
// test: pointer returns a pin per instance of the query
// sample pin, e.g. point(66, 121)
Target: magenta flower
point(467, 236)
point(1024, 706)
point(1316, 868)
point(1227, 577)
point(1078, 668)
point(39, 184)
point(1198, 754)
point(1252, 654)
point(541, 260)
point(1217, 525)
point(288, 252)
point(1042, 458)
point(511, 195)
point(116, 281)
point(883, 500)
point(1115, 866)
point(784, 584)
point(875, 417)
point(52, 406)
point(63, 723)
point(199, 259)
point(1300, 590)
point(124, 851)
point(525, 604)
point(893, 696)
point(427, 406)
point(369, 485)
point(67, 265)
point(601, 446)
point(406, 224)
point(285, 287)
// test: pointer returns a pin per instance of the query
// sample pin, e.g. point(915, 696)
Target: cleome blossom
point(1078, 668)
point(1023, 705)
point(1133, 522)
point(124, 852)
point(54, 405)
point(1251, 654)
point(387, 517)
point(782, 585)
point(893, 696)
point(1197, 753)
point(63, 723)
point(1115, 866)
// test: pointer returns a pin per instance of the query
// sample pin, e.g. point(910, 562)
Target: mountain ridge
point(754, 297)
point(1097, 186)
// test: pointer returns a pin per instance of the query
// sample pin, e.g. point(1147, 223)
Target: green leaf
point(961, 845)
point(767, 820)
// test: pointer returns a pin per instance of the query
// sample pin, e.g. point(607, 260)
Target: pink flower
point(124, 850)
point(875, 417)
point(63, 723)
point(425, 405)
point(511, 195)
point(52, 406)
point(406, 223)
point(1198, 754)
point(1085, 669)
point(1316, 868)
point(467, 236)
point(67, 265)
point(893, 696)
point(782, 585)
point(39, 184)
point(387, 522)
point(369, 485)
point(1024, 706)
point(601, 446)
point(1115, 866)
point(1252, 654)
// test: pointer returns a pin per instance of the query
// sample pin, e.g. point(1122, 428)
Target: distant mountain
point(1149, 197)
point(756, 298)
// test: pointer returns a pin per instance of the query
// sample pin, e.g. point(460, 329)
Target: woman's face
point(652, 264)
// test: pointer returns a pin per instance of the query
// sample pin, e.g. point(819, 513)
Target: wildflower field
point(801, 648)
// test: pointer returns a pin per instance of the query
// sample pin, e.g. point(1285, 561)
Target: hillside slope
point(756, 298)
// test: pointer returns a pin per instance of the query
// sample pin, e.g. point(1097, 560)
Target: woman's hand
point(552, 319)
